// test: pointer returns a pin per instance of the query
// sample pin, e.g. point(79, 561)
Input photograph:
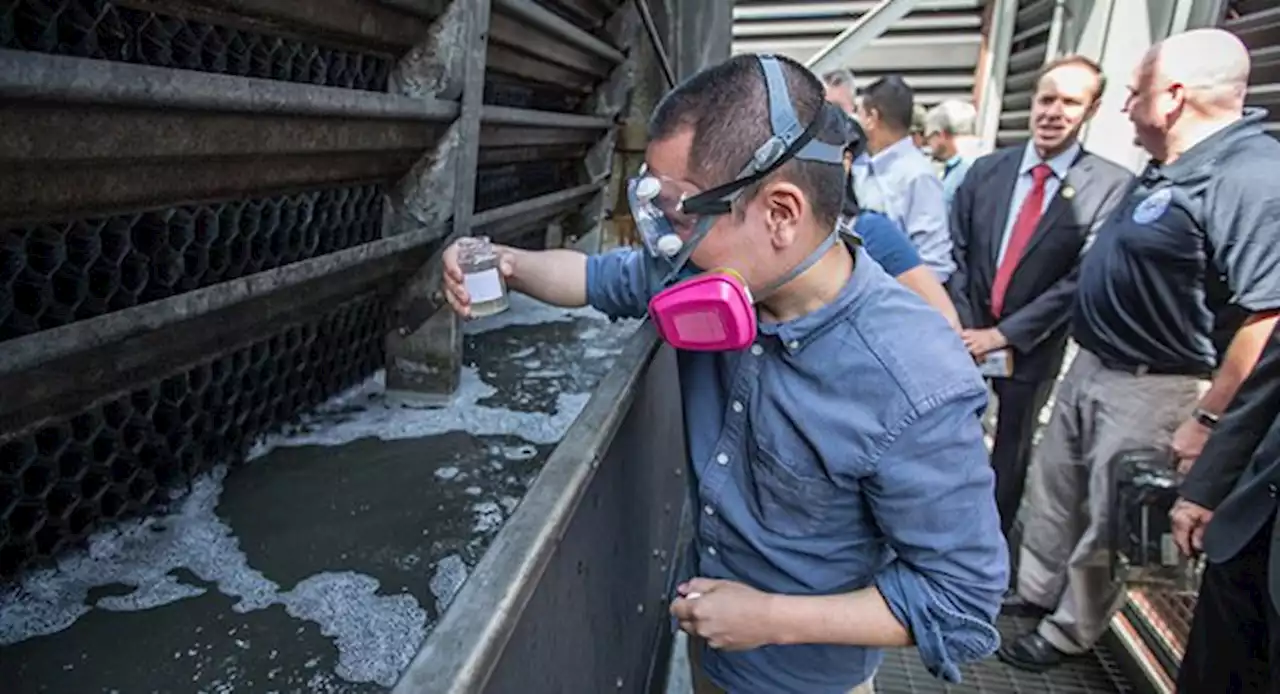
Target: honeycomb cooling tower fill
point(104, 30)
point(52, 275)
point(60, 481)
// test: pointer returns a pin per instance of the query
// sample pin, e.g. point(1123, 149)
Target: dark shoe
point(1015, 606)
point(1030, 652)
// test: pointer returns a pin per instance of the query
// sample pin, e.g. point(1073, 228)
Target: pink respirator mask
point(710, 312)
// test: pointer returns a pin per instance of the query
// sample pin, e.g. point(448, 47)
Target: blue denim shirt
point(842, 450)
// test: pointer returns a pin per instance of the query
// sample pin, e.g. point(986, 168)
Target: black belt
point(1148, 370)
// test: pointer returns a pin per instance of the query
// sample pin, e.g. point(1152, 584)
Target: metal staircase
point(1257, 23)
point(936, 46)
point(1036, 39)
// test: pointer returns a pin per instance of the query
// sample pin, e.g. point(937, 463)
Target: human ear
point(784, 207)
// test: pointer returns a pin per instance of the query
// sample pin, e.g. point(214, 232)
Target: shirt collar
point(953, 162)
point(1060, 163)
point(1206, 152)
point(798, 332)
point(893, 151)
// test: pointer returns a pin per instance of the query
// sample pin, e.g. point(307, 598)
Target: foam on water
point(376, 635)
point(363, 412)
point(451, 573)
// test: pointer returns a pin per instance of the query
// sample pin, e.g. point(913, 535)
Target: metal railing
point(572, 594)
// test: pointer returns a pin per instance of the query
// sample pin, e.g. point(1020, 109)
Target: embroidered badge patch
point(1152, 208)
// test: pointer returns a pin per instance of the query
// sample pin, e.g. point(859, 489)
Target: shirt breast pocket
point(790, 499)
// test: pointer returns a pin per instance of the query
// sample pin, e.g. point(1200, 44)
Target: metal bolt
point(679, 472)
point(640, 608)
point(619, 683)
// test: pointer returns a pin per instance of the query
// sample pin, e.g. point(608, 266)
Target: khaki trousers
point(1064, 562)
point(703, 685)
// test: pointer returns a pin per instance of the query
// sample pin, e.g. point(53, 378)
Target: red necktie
point(1023, 228)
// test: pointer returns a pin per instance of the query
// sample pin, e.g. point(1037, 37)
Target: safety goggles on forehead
point(672, 218)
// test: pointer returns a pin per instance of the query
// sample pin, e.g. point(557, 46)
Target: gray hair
point(838, 77)
point(951, 117)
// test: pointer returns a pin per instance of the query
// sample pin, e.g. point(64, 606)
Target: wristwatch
point(1206, 418)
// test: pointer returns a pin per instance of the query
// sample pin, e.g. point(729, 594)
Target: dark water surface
point(322, 564)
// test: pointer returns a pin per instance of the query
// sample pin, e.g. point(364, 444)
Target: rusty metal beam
point(37, 77)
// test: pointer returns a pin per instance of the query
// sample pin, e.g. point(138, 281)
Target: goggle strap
point(697, 204)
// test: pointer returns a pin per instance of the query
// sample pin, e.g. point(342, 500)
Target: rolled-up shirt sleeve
point(618, 283)
point(932, 494)
point(925, 219)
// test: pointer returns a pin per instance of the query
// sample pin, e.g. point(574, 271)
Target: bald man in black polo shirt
point(1175, 302)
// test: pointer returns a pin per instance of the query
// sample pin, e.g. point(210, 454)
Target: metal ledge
point(544, 20)
point(30, 351)
point(515, 34)
point(505, 115)
point(40, 77)
point(533, 206)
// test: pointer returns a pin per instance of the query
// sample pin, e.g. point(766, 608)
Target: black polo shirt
point(1190, 253)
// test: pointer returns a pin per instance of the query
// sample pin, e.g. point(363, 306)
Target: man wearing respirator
point(845, 499)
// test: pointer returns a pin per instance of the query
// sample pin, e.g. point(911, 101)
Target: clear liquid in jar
point(482, 276)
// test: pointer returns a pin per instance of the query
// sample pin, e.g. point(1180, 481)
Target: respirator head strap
point(788, 141)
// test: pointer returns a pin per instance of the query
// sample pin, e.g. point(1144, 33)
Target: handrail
point(860, 34)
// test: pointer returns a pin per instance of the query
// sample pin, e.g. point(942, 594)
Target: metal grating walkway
point(1097, 673)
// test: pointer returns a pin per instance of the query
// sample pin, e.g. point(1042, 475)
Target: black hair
point(727, 108)
point(893, 99)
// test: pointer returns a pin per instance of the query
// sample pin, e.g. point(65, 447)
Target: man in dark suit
point(1228, 511)
point(1020, 222)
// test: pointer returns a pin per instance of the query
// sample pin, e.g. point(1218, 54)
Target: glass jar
point(482, 276)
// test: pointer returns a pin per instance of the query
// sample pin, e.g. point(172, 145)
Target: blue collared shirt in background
point(842, 450)
point(901, 182)
point(953, 172)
